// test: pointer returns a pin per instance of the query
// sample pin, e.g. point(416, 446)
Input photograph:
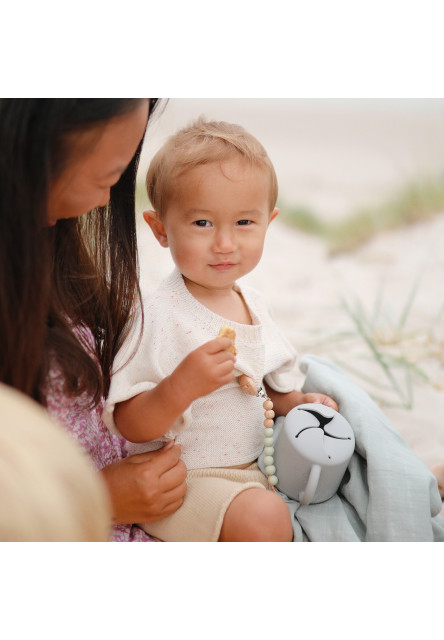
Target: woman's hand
point(148, 486)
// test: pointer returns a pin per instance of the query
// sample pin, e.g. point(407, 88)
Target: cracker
point(228, 332)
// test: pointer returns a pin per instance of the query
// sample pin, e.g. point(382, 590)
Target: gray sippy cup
point(312, 452)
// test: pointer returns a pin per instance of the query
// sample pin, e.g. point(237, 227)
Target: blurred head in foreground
point(48, 489)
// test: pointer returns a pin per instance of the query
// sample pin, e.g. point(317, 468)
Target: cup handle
point(305, 497)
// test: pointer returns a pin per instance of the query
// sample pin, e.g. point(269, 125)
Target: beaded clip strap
point(249, 387)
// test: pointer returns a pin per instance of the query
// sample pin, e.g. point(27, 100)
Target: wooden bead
point(268, 451)
point(268, 423)
point(247, 385)
point(268, 442)
point(270, 470)
point(272, 480)
point(267, 461)
point(269, 414)
point(268, 405)
point(268, 432)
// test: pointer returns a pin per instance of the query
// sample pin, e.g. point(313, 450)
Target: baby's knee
point(257, 515)
point(273, 518)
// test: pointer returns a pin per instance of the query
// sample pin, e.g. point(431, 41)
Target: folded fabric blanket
point(387, 494)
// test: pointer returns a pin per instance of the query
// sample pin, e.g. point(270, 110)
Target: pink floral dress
point(86, 426)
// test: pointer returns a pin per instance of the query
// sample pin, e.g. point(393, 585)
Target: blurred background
point(353, 267)
point(332, 157)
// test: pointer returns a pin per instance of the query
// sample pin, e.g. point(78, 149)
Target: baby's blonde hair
point(201, 143)
point(49, 491)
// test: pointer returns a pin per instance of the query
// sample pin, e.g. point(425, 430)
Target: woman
point(68, 279)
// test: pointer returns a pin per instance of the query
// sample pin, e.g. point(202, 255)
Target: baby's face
point(217, 221)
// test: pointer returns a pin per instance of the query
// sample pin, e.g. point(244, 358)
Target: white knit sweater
point(221, 429)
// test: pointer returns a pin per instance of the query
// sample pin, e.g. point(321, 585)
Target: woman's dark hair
point(81, 273)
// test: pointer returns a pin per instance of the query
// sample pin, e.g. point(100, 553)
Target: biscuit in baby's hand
point(228, 332)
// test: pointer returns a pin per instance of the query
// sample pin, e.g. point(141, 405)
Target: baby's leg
point(257, 515)
point(438, 471)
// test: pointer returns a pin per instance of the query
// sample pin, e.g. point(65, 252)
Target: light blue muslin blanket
point(387, 494)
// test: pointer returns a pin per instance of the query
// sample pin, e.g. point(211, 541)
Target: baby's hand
point(206, 369)
point(318, 398)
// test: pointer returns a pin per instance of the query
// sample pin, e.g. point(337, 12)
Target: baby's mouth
point(222, 266)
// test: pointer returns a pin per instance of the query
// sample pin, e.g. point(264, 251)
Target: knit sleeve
point(282, 378)
point(280, 354)
point(142, 363)
point(135, 370)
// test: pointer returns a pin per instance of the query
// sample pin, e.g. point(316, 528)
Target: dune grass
point(418, 201)
point(397, 346)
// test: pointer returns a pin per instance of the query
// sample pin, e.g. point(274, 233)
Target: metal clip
point(261, 393)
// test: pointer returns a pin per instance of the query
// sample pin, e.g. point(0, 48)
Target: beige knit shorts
point(209, 494)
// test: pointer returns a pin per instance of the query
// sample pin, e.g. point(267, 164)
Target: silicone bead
point(270, 470)
point(269, 451)
point(269, 414)
point(267, 461)
point(272, 480)
point(268, 432)
point(268, 405)
point(268, 423)
point(268, 442)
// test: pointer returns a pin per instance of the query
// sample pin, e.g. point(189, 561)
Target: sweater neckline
point(244, 332)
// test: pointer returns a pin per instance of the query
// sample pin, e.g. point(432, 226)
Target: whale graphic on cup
point(312, 452)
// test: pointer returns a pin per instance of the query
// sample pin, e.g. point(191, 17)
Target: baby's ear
point(157, 227)
point(274, 213)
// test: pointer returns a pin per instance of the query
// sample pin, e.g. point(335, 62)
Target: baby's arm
point(152, 413)
point(284, 402)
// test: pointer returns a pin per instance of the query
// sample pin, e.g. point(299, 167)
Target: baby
point(438, 471)
point(213, 189)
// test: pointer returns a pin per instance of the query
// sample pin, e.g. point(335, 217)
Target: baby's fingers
point(320, 398)
point(223, 373)
point(226, 367)
point(218, 345)
point(221, 357)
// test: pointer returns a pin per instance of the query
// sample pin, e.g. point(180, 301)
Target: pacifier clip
point(249, 387)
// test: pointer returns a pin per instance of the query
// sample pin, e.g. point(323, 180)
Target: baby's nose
point(224, 242)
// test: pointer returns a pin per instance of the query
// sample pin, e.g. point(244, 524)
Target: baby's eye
point(244, 223)
point(202, 223)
